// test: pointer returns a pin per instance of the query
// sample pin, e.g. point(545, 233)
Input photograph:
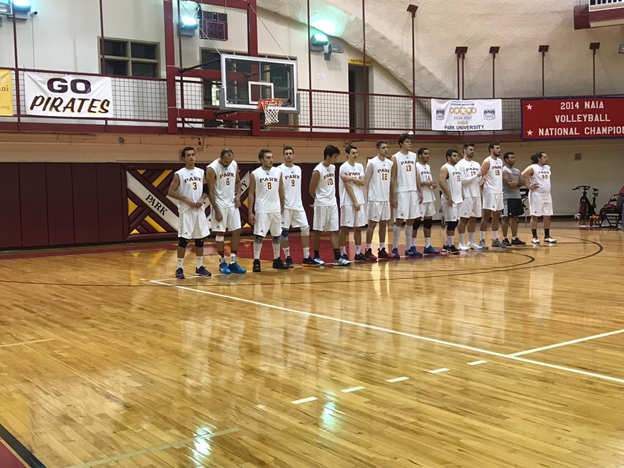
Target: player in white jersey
point(427, 206)
point(407, 188)
point(540, 200)
point(471, 206)
point(224, 195)
point(323, 191)
point(266, 204)
point(294, 215)
point(451, 186)
point(352, 203)
point(188, 189)
point(492, 180)
point(379, 189)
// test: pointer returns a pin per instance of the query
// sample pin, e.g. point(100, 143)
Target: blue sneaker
point(179, 273)
point(319, 261)
point(289, 262)
point(395, 253)
point(413, 253)
point(431, 251)
point(236, 268)
point(224, 269)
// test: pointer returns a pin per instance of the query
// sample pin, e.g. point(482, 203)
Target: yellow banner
point(369, 63)
point(6, 93)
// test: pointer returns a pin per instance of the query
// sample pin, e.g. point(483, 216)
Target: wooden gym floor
point(496, 359)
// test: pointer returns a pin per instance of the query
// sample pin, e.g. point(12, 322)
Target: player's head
point(452, 156)
point(352, 153)
point(226, 157)
point(289, 154)
point(265, 156)
point(469, 149)
point(495, 149)
point(405, 141)
point(188, 155)
point(382, 148)
point(331, 153)
point(423, 155)
point(510, 159)
point(540, 158)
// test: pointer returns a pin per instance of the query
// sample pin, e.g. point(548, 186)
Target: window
point(130, 58)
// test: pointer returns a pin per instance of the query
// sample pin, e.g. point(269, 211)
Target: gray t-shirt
point(514, 176)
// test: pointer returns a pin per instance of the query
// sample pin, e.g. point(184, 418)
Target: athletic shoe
point(506, 242)
point(342, 262)
point(319, 261)
point(463, 247)
point(289, 262)
point(550, 240)
point(535, 241)
point(236, 268)
point(370, 256)
point(360, 257)
point(474, 246)
point(180, 274)
point(201, 271)
point(431, 251)
point(345, 257)
point(381, 253)
point(278, 264)
point(256, 266)
point(395, 253)
point(310, 262)
point(499, 244)
point(224, 269)
point(452, 249)
point(516, 241)
point(446, 248)
point(413, 253)
point(483, 245)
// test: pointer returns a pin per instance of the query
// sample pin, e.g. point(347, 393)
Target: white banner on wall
point(68, 96)
point(477, 115)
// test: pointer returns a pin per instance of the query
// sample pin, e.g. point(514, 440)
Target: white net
point(271, 109)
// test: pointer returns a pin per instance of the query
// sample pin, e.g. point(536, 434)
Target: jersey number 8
point(269, 185)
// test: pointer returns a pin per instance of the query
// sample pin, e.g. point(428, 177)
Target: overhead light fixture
point(21, 5)
point(188, 25)
point(319, 39)
point(543, 49)
point(594, 46)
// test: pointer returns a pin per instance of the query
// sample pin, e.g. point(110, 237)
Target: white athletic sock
point(287, 251)
point(382, 245)
point(494, 235)
point(200, 261)
point(408, 235)
point(181, 262)
point(482, 235)
point(427, 242)
point(462, 237)
point(447, 240)
point(358, 249)
point(471, 237)
point(368, 246)
point(221, 259)
point(396, 234)
point(514, 237)
point(276, 249)
point(451, 240)
point(306, 252)
point(257, 247)
point(343, 250)
point(232, 258)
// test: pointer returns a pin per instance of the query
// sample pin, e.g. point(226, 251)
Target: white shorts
point(268, 222)
point(326, 218)
point(540, 205)
point(408, 205)
point(351, 218)
point(492, 201)
point(193, 224)
point(294, 219)
point(471, 208)
point(451, 213)
point(231, 219)
point(378, 210)
point(427, 209)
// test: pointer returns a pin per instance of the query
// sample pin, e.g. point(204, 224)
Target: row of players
point(404, 182)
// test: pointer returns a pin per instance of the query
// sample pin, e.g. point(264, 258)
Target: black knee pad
point(199, 243)
point(182, 242)
point(451, 225)
point(417, 223)
point(258, 239)
point(428, 223)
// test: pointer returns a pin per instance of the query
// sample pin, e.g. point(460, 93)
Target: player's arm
point(418, 184)
point(316, 176)
point(393, 177)
point(211, 177)
point(368, 174)
point(358, 181)
point(281, 194)
point(443, 186)
point(173, 192)
point(467, 180)
point(251, 199)
point(237, 186)
point(528, 172)
point(352, 196)
point(507, 181)
point(485, 167)
point(202, 199)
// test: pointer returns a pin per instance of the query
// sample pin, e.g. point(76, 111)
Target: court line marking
point(159, 448)
point(439, 371)
point(476, 363)
point(395, 332)
point(352, 389)
point(26, 342)
point(566, 343)
point(304, 400)
point(398, 379)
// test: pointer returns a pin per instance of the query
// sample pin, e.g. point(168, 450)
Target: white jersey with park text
point(541, 178)
point(379, 183)
point(292, 186)
point(225, 182)
point(424, 172)
point(191, 186)
point(494, 183)
point(267, 190)
point(406, 172)
point(470, 169)
point(454, 183)
point(326, 188)
point(356, 171)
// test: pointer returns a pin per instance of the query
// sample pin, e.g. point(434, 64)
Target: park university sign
point(68, 96)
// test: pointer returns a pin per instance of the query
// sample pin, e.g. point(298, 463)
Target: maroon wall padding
point(33, 204)
point(10, 218)
point(112, 204)
point(60, 204)
point(85, 190)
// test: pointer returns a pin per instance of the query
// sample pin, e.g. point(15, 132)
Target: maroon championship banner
point(552, 119)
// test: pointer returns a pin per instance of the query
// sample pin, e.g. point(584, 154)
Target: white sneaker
point(463, 247)
point(474, 246)
point(550, 240)
point(342, 262)
point(535, 241)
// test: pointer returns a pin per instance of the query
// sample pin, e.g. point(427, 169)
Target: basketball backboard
point(246, 80)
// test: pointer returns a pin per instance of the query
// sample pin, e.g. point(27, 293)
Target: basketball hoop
point(271, 109)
